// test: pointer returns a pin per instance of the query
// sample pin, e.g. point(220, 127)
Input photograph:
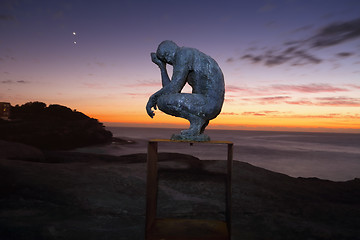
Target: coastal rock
point(52, 127)
point(93, 196)
point(12, 150)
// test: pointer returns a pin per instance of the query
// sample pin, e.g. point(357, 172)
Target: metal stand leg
point(152, 185)
point(228, 187)
point(190, 229)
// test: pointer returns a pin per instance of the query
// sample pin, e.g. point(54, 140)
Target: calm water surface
point(333, 156)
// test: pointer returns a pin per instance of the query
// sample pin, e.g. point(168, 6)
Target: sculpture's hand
point(151, 104)
point(156, 60)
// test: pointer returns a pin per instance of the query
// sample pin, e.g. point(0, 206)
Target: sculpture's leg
point(196, 124)
point(195, 132)
point(204, 126)
point(190, 107)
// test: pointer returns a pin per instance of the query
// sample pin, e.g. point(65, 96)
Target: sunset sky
point(288, 64)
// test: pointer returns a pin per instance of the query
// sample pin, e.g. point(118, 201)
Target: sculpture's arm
point(165, 80)
point(175, 86)
point(151, 104)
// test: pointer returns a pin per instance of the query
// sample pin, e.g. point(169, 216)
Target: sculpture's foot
point(186, 137)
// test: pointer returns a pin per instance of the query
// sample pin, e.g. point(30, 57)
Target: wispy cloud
point(230, 60)
point(7, 58)
point(233, 88)
point(227, 100)
point(300, 52)
point(14, 82)
point(336, 33)
point(345, 54)
point(354, 86)
point(300, 102)
point(7, 81)
point(328, 101)
point(282, 89)
point(145, 83)
point(277, 114)
point(22, 81)
point(229, 113)
point(309, 88)
point(291, 54)
point(139, 94)
point(253, 114)
point(262, 113)
point(268, 100)
point(339, 101)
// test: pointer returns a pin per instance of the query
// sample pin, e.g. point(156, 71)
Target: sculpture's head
point(166, 51)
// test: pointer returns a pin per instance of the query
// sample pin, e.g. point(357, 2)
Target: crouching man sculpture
point(205, 77)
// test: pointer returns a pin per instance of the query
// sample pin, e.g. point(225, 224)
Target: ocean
point(331, 156)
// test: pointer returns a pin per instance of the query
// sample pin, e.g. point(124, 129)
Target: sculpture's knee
point(166, 104)
point(172, 104)
point(162, 102)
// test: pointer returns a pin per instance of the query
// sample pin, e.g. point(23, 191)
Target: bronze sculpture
point(205, 77)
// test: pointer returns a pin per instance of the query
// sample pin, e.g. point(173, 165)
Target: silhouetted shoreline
point(53, 127)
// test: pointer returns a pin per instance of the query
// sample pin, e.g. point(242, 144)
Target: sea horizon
point(238, 128)
point(331, 156)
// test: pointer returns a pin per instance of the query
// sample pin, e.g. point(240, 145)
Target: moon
point(74, 33)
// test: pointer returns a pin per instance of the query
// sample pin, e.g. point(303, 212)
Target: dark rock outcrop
point(52, 127)
point(72, 195)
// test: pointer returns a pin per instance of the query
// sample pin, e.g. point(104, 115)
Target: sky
point(289, 65)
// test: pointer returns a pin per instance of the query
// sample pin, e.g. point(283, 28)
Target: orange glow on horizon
point(228, 122)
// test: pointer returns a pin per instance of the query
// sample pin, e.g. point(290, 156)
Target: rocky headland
point(49, 192)
point(52, 127)
point(68, 195)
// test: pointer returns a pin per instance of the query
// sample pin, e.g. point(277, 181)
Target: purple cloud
point(339, 101)
point(297, 53)
point(310, 88)
point(145, 84)
point(336, 33)
point(287, 115)
point(268, 100)
point(229, 113)
point(8, 81)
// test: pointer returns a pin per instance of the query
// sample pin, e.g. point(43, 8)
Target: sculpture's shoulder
point(185, 52)
point(193, 58)
point(184, 55)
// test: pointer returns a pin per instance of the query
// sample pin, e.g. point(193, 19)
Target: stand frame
point(176, 228)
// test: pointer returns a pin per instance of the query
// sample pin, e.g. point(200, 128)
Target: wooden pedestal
point(183, 229)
